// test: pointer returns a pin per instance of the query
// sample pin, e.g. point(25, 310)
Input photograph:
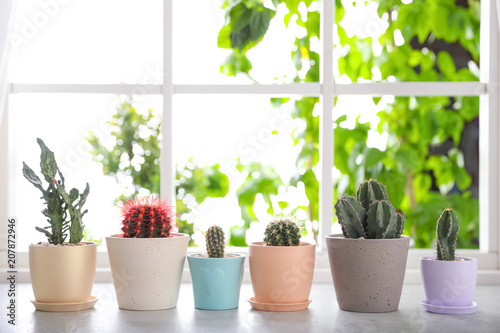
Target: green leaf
point(445, 63)
point(237, 236)
point(30, 175)
point(47, 162)
point(259, 23)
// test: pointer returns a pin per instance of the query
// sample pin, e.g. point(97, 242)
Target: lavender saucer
point(451, 310)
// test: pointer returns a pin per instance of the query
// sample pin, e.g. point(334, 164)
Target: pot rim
point(173, 235)
point(60, 246)
point(434, 259)
point(198, 256)
point(341, 236)
point(262, 244)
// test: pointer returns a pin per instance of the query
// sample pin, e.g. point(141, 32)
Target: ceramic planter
point(147, 271)
point(63, 274)
point(216, 281)
point(368, 274)
point(449, 283)
point(281, 276)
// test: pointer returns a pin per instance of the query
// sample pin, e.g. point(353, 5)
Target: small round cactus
point(147, 218)
point(282, 231)
point(215, 242)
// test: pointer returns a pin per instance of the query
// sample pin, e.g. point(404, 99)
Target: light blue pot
point(216, 281)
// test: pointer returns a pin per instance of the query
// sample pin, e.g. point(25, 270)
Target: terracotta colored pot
point(147, 271)
point(368, 274)
point(281, 274)
point(216, 281)
point(62, 274)
point(449, 283)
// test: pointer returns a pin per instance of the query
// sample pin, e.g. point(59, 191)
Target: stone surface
point(323, 315)
point(368, 273)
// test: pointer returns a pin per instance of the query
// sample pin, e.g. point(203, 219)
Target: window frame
point(487, 88)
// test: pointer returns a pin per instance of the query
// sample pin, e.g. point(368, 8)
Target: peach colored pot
point(62, 274)
point(281, 274)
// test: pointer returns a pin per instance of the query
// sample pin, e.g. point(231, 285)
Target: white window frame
point(487, 89)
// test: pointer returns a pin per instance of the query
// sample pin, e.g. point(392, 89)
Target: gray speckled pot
point(368, 274)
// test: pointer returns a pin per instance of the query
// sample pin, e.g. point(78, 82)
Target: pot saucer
point(65, 307)
point(452, 310)
point(278, 307)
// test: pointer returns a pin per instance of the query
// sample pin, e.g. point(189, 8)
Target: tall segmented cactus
point(147, 218)
point(58, 201)
point(282, 231)
point(370, 191)
point(447, 232)
point(371, 215)
point(215, 242)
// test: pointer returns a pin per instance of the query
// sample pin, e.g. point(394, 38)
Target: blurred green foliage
point(131, 154)
point(423, 161)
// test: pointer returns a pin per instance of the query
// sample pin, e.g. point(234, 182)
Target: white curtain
point(6, 20)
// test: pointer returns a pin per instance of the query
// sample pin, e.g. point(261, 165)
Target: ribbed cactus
point(371, 215)
point(352, 217)
point(447, 232)
point(147, 218)
point(58, 201)
point(369, 191)
point(282, 231)
point(215, 242)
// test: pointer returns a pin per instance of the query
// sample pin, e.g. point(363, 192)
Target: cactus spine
point(147, 218)
point(282, 231)
point(58, 201)
point(447, 232)
point(215, 242)
point(370, 214)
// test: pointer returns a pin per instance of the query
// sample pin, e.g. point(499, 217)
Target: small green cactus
point(58, 201)
point(447, 232)
point(282, 231)
point(215, 242)
point(371, 215)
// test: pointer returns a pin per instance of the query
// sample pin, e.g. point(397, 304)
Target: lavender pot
point(449, 283)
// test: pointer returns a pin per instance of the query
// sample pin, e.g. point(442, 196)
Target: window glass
point(407, 41)
point(205, 53)
point(424, 149)
point(63, 122)
point(262, 151)
point(87, 41)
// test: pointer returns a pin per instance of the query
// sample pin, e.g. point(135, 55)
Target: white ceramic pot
point(147, 271)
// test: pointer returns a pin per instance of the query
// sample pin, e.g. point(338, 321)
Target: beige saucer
point(278, 307)
point(65, 307)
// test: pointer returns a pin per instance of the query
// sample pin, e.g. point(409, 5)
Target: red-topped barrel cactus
point(147, 218)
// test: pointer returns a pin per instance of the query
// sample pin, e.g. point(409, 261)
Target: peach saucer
point(65, 307)
point(278, 307)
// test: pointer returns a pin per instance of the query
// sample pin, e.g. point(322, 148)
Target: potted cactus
point(281, 268)
point(62, 270)
point(216, 275)
point(368, 261)
point(148, 257)
point(449, 281)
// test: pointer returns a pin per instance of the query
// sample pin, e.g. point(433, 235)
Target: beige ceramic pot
point(281, 274)
point(147, 271)
point(368, 274)
point(62, 274)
